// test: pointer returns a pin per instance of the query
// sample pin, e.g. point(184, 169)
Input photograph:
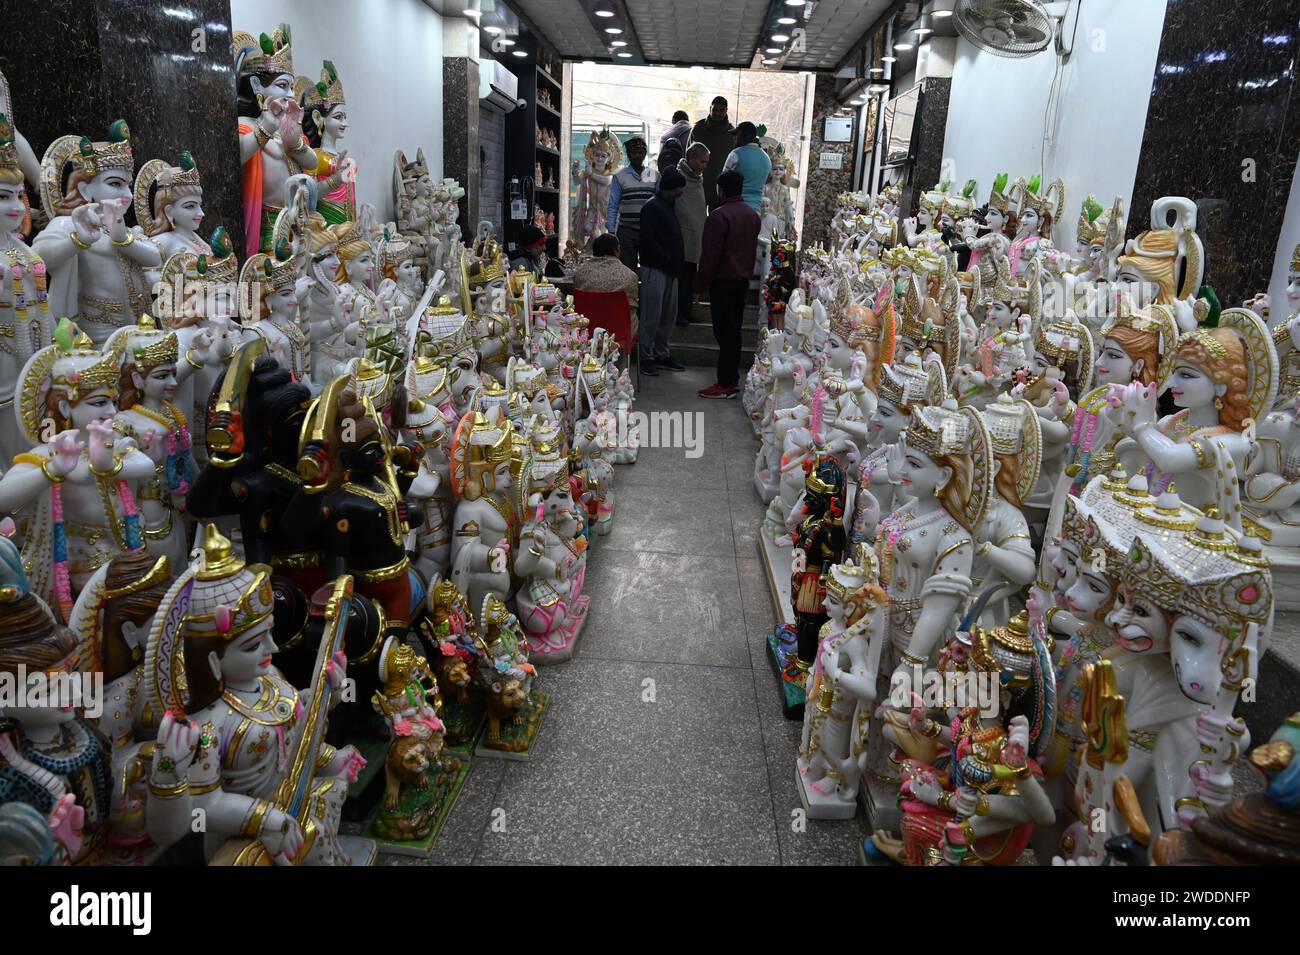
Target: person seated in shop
point(605, 272)
point(531, 254)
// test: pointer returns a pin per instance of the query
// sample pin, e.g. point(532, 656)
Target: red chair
point(613, 312)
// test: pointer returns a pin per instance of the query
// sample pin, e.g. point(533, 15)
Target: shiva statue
point(1166, 264)
point(102, 271)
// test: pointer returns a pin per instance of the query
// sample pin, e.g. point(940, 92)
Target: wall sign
point(838, 129)
point(829, 160)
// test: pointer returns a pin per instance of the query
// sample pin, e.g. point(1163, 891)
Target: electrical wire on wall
point(1052, 110)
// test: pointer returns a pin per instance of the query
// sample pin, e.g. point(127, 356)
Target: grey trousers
point(658, 312)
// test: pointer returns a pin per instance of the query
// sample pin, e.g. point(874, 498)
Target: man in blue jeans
point(727, 255)
point(661, 262)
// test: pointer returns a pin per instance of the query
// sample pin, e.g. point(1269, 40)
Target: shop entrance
point(641, 100)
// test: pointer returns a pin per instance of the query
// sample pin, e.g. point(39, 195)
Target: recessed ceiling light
point(769, 62)
point(773, 49)
point(922, 31)
point(618, 43)
point(494, 30)
point(787, 21)
point(506, 41)
point(519, 52)
point(779, 37)
point(613, 31)
point(625, 55)
point(794, 3)
point(903, 46)
point(889, 59)
point(473, 13)
point(604, 13)
point(941, 13)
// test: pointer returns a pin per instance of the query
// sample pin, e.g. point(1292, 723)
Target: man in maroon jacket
point(727, 253)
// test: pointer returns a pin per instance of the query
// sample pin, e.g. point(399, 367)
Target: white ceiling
point(833, 28)
point(565, 26)
point(715, 32)
point(698, 31)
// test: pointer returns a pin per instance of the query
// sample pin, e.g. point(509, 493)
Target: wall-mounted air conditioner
point(497, 85)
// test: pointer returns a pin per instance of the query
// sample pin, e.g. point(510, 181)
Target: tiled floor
point(665, 741)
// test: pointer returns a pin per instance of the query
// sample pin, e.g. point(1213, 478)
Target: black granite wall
point(1223, 128)
point(925, 169)
point(824, 185)
point(460, 159)
point(74, 66)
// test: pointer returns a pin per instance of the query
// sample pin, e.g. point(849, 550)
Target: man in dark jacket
point(673, 143)
point(716, 132)
point(661, 261)
point(727, 256)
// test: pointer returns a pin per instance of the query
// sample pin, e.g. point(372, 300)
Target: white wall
point(997, 109)
point(388, 54)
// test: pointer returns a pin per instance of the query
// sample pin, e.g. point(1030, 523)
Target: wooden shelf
point(547, 149)
point(554, 82)
point(550, 109)
point(546, 189)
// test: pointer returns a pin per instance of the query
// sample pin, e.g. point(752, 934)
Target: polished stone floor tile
point(671, 520)
point(698, 467)
point(665, 607)
point(649, 764)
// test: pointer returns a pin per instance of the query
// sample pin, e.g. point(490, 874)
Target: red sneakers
point(716, 390)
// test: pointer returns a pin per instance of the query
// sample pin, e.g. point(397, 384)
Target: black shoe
point(648, 368)
point(670, 363)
